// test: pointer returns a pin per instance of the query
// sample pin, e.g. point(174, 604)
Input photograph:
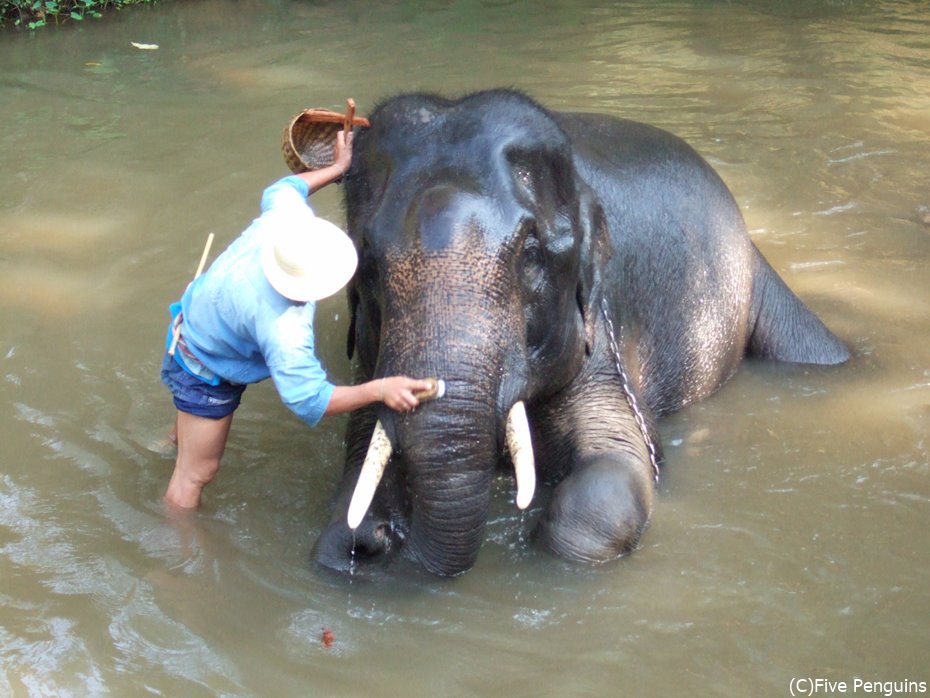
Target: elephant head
point(479, 258)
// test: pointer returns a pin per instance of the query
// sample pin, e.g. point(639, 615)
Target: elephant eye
point(524, 180)
point(532, 260)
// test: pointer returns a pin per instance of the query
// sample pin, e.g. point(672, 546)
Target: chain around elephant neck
point(628, 392)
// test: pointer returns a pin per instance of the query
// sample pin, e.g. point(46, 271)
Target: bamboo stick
point(203, 261)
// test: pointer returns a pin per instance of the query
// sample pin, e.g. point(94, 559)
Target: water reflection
point(789, 535)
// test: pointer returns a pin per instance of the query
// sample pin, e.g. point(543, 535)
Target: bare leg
point(201, 442)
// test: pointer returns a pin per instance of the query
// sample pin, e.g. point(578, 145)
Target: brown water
point(791, 536)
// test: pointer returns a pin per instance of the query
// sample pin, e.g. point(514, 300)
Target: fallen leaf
point(327, 637)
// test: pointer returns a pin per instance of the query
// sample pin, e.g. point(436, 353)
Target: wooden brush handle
point(350, 115)
point(436, 390)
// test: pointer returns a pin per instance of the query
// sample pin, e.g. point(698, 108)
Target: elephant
point(571, 277)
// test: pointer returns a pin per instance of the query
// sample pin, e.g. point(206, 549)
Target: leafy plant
point(33, 14)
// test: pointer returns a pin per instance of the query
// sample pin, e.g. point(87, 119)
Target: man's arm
point(397, 392)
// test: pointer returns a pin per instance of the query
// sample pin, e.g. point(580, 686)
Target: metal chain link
point(628, 392)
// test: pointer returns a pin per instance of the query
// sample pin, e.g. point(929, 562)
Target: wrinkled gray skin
point(490, 230)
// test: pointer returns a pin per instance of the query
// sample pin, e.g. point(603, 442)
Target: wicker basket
point(309, 139)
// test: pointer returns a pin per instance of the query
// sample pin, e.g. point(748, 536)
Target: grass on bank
point(33, 14)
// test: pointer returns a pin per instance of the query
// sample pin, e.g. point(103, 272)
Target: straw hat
point(309, 259)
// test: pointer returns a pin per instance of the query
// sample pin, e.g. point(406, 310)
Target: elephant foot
point(343, 550)
point(599, 512)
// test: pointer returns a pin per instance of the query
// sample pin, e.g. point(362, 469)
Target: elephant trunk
point(446, 313)
point(448, 453)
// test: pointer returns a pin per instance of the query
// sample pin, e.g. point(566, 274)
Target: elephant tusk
point(379, 453)
point(521, 453)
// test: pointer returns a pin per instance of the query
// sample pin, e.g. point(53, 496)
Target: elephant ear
point(353, 317)
point(595, 253)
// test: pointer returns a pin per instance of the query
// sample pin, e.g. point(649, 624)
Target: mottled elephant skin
point(496, 238)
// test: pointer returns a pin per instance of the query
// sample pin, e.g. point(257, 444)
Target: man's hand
point(397, 392)
point(317, 179)
point(343, 155)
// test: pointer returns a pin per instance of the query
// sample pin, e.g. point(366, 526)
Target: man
point(250, 317)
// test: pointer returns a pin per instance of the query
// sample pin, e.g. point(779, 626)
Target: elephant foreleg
point(595, 453)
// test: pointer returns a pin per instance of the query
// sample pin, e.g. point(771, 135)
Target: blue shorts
point(196, 397)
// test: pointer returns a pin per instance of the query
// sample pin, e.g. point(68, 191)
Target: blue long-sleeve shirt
point(245, 331)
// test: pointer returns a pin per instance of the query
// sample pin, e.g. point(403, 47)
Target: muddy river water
point(790, 540)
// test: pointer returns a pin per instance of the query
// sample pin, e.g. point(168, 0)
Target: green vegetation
point(37, 13)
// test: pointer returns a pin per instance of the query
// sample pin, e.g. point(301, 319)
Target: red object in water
point(327, 637)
